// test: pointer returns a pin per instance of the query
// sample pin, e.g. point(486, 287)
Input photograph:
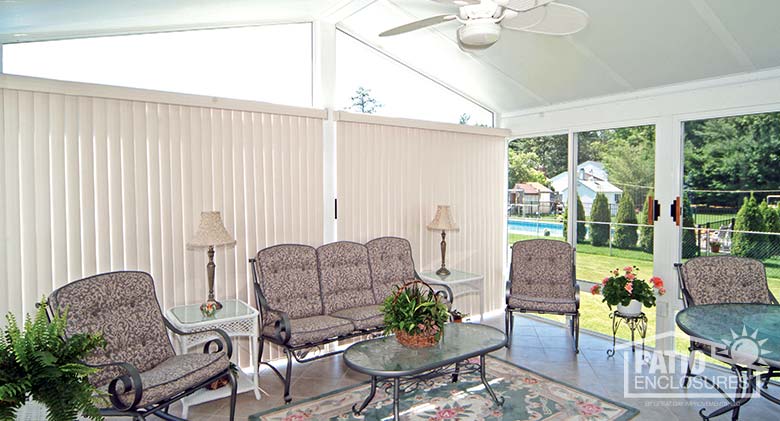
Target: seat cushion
point(177, 374)
point(345, 276)
point(123, 307)
point(311, 330)
point(363, 317)
point(392, 265)
point(532, 304)
point(290, 280)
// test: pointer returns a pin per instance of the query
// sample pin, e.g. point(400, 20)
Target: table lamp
point(443, 222)
point(211, 233)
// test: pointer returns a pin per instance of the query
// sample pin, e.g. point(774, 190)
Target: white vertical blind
point(391, 175)
point(98, 179)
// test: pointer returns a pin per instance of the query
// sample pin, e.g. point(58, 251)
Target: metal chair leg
point(233, 389)
point(575, 321)
point(288, 377)
point(508, 327)
point(691, 361)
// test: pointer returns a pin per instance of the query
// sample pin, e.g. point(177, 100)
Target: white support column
point(572, 199)
point(666, 249)
point(1, 58)
point(323, 96)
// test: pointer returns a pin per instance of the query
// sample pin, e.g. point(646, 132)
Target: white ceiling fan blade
point(524, 20)
point(456, 2)
point(413, 26)
point(525, 5)
point(561, 19)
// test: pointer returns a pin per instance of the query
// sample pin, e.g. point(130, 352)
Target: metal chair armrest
point(446, 292)
point(130, 382)
point(223, 343)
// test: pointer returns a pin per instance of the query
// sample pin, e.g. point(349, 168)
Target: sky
point(241, 63)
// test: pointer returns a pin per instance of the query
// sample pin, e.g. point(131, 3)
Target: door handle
point(676, 211)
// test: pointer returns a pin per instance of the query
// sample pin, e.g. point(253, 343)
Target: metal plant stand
point(635, 322)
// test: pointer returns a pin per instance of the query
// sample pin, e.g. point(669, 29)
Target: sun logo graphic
point(745, 350)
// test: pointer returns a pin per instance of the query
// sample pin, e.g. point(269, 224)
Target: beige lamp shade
point(443, 221)
point(211, 232)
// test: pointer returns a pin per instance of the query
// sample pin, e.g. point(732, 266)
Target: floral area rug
point(528, 396)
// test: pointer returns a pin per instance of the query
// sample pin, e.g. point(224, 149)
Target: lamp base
point(443, 271)
point(211, 302)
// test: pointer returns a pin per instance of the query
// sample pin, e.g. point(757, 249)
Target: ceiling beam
point(712, 20)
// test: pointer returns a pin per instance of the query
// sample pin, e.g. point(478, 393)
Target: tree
point(646, 232)
point(626, 236)
point(552, 151)
point(523, 168)
point(771, 224)
point(599, 212)
point(363, 102)
point(581, 230)
point(749, 218)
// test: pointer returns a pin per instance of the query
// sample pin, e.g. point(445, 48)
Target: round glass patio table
point(749, 332)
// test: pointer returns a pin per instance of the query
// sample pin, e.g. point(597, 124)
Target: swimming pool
point(535, 227)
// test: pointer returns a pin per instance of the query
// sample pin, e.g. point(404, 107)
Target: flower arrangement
point(620, 289)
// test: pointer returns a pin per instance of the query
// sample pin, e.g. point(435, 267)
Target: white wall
point(667, 108)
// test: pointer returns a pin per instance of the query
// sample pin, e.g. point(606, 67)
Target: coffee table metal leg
point(368, 400)
point(396, 398)
point(456, 373)
point(498, 400)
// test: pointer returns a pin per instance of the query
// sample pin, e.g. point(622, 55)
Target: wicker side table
point(237, 319)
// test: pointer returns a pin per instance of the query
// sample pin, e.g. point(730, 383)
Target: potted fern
point(415, 314)
point(38, 364)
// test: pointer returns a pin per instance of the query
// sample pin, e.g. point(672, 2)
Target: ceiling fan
point(482, 20)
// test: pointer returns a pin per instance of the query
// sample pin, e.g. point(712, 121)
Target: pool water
point(535, 227)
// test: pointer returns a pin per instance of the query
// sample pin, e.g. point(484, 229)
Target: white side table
point(237, 319)
point(461, 283)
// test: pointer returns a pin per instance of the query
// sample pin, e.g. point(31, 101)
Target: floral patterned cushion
point(364, 317)
point(290, 280)
point(725, 279)
point(391, 265)
point(177, 374)
point(311, 330)
point(545, 306)
point(542, 270)
point(345, 276)
point(124, 308)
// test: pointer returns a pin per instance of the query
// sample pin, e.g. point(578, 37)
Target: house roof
point(627, 46)
point(600, 186)
point(527, 188)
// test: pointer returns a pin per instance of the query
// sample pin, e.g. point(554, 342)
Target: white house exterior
point(591, 180)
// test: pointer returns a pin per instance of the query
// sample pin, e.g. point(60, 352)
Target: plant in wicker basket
point(415, 314)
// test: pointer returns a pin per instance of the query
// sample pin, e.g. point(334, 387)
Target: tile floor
point(537, 345)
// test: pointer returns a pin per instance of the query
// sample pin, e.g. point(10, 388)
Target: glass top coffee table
point(385, 360)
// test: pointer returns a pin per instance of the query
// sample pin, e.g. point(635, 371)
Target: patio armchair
point(542, 280)
point(722, 280)
point(139, 369)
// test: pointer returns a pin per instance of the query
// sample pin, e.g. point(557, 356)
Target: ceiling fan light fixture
point(479, 32)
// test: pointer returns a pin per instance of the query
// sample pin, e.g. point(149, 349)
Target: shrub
point(749, 218)
point(771, 224)
point(626, 236)
point(599, 233)
point(646, 233)
point(581, 230)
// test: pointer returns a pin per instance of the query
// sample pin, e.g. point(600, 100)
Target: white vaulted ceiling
point(628, 45)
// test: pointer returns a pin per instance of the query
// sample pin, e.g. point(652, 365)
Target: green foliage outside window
point(646, 233)
point(581, 229)
point(749, 218)
point(626, 235)
point(599, 212)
